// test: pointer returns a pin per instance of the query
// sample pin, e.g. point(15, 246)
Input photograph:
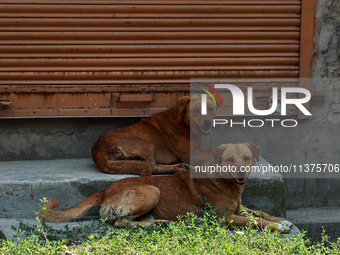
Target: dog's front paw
point(282, 228)
point(287, 223)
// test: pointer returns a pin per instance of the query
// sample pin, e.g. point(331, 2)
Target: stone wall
point(30, 139)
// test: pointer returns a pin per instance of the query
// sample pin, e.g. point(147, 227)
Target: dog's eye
point(197, 111)
point(246, 158)
point(230, 160)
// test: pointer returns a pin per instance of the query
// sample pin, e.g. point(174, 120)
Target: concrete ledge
point(265, 192)
point(267, 195)
point(6, 230)
point(313, 220)
point(24, 183)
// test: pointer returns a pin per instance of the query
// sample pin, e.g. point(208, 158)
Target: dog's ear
point(255, 150)
point(217, 153)
point(182, 103)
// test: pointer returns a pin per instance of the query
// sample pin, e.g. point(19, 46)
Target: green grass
point(189, 235)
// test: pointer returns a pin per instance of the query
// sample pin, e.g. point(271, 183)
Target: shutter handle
point(5, 102)
point(136, 98)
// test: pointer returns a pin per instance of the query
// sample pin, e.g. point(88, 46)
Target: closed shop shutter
point(134, 58)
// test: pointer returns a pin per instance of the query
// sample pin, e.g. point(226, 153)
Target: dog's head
point(238, 158)
point(191, 107)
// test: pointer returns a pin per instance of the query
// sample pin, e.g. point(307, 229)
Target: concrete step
point(313, 220)
point(8, 225)
point(7, 231)
point(24, 183)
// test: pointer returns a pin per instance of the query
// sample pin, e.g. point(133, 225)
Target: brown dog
point(165, 197)
point(159, 144)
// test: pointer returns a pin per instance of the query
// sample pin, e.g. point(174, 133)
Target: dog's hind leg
point(118, 161)
point(129, 203)
point(168, 169)
point(142, 167)
point(138, 167)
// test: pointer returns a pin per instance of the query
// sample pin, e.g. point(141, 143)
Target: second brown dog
point(159, 144)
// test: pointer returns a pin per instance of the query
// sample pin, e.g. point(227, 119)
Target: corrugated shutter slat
point(78, 44)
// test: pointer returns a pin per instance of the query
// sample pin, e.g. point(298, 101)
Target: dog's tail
point(72, 213)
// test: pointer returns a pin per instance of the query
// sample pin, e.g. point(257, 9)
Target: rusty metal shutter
point(124, 58)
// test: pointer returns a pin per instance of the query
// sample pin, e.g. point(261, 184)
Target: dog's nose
point(207, 123)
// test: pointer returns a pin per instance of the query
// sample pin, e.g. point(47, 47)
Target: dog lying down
point(159, 144)
point(163, 198)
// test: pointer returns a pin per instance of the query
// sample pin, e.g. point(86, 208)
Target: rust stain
point(32, 193)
